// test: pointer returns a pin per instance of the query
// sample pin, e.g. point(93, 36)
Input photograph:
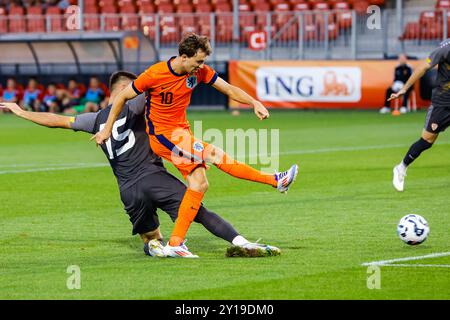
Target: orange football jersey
point(169, 94)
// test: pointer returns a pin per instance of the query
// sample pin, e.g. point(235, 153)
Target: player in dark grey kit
point(438, 115)
point(144, 183)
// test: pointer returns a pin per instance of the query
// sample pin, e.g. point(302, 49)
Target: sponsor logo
point(315, 84)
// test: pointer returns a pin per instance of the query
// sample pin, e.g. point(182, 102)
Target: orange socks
point(186, 214)
point(242, 171)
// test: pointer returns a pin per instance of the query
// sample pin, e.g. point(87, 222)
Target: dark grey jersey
point(441, 57)
point(128, 149)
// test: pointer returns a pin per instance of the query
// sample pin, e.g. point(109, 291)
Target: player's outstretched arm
point(241, 96)
point(119, 101)
point(417, 74)
point(46, 119)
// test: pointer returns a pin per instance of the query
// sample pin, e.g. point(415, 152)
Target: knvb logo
point(191, 82)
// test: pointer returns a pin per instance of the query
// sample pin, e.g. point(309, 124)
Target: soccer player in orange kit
point(169, 85)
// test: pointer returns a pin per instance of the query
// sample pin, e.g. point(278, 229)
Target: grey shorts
point(438, 119)
point(156, 190)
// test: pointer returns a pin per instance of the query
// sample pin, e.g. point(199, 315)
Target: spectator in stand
point(50, 102)
point(70, 97)
point(11, 92)
point(63, 4)
point(401, 74)
point(94, 97)
point(31, 96)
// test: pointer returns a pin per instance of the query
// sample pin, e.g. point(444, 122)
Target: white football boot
point(180, 251)
point(399, 177)
point(154, 248)
point(264, 249)
point(286, 178)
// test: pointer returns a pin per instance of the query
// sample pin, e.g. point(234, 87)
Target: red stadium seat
point(129, 19)
point(185, 8)
point(147, 8)
point(344, 19)
point(3, 22)
point(16, 19)
point(301, 6)
point(411, 32)
point(261, 9)
point(110, 18)
point(223, 7)
point(443, 4)
point(166, 8)
point(246, 17)
point(321, 6)
point(56, 19)
point(203, 8)
point(35, 20)
point(341, 5)
point(360, 6)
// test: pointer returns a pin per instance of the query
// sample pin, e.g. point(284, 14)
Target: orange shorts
point(181, 148)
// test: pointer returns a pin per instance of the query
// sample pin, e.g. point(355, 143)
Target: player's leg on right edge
point(399, 172)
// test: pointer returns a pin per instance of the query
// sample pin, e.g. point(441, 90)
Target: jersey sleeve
point(208, 75)
point(438, 55)
point(84, 122)
point(144, 82)
point(137, 105)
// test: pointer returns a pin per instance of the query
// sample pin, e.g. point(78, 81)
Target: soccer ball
point(413, 229)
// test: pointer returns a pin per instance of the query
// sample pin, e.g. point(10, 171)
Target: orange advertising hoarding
point(317, 84)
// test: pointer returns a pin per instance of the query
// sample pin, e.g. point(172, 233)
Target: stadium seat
point(129, 19)
point(16, 19)
point(185, 8)
point(282, 14)
point(344, 19)
point(341, 5)
point(203, 8)
point(147, 8)
point(360, 6)
point(443, 4)
point(56, 19)
point(3, 21)
point(35, 19)
point(261, 9)
point(321, 6)
point(411, 32)
point(246, 17)
point(301, 6)
point(110, 18)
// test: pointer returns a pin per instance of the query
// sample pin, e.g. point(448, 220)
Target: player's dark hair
point(191, 43)
point(120, 76)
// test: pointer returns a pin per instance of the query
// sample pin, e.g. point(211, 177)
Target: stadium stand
point(430, 25)
point(179, 16)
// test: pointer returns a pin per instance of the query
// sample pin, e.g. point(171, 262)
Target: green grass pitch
point(60, 207)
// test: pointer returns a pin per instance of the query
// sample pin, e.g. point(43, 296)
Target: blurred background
point(66, 50)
